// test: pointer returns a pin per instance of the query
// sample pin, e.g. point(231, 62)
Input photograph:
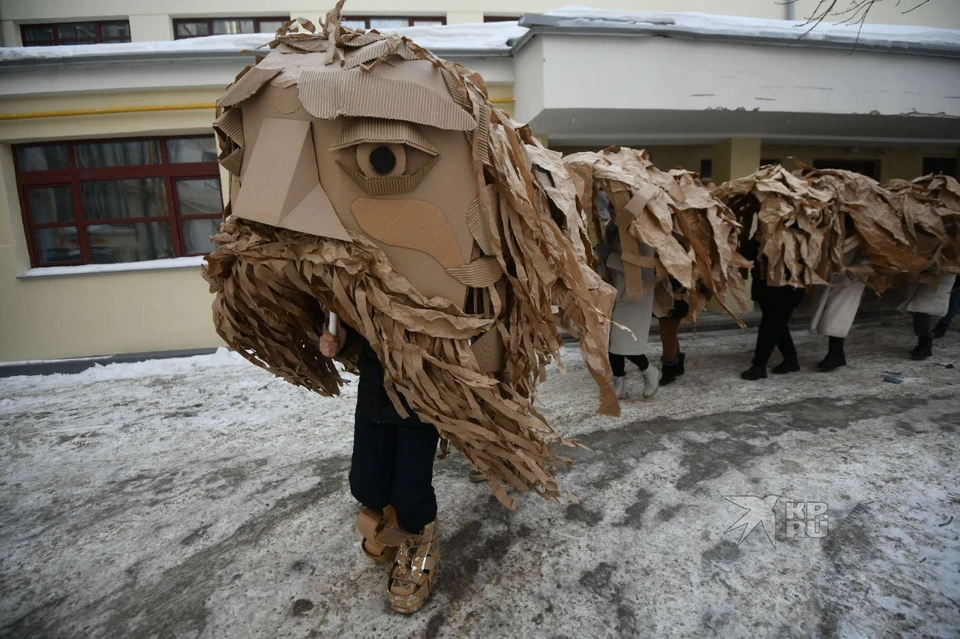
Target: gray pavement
point(201, 498)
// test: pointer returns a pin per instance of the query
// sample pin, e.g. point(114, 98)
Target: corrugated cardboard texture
point(378, 50)
point(329, 95)
point(384, 132)
point(693, 234)
point(394, 185)
point(467, 363)
point(411, 223)
point(247, 86)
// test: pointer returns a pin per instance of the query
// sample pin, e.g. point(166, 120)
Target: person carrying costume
point(940, 329)
point(926, 300)
point(631, 318)
point(673, 359)
point(374, 181)
point(777, 304)
point(391, 475)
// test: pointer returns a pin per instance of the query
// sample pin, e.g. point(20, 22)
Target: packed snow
point(203, 497)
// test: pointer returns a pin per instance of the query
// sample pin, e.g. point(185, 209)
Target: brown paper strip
point(377, 51)
point(308, 45)
point(490, 352)
point(363, 40)
point(479, 229)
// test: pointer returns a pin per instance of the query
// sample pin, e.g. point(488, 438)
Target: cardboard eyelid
point(389, 185)
point(384, 132)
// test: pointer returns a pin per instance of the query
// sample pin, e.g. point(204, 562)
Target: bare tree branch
point(923, 2)
point(854, 12)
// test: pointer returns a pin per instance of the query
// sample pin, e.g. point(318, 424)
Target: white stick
point(332, 324)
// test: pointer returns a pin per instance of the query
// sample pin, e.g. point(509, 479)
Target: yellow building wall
point(895, 162)
point(103, 313)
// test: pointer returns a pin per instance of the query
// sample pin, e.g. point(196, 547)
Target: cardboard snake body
point(812, 218)
point(694, 235)
point(374, 180)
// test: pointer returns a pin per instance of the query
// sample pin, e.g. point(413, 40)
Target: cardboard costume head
point(374, 180)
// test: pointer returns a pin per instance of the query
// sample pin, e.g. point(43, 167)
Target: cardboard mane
point(372, 179)
point(693, 233)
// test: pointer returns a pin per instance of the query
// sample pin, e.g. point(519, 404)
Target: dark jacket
point(761, 292)
point(372, 400)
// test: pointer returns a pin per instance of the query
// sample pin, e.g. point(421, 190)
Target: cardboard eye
point(379, 160)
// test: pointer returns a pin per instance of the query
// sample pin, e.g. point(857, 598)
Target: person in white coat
point(925, 301)
point(631, 318)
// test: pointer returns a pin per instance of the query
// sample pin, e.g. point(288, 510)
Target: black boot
point(670, 371)
point(923, 349)
point(835, 357)
point(789, 365)
point(939, 330)
point(754, 373)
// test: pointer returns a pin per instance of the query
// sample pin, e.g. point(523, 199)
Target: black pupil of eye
point(383, 160)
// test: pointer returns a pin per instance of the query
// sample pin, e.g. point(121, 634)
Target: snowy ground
point(202, 498)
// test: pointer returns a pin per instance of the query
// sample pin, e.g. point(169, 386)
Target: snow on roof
point(902, 37)
point(493, 38)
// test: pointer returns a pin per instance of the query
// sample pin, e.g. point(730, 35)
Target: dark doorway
point(870, 168)
point(947, 166)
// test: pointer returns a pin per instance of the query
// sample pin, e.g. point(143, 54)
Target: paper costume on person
point(809, 220)
point(374, 180)
point(692, 233)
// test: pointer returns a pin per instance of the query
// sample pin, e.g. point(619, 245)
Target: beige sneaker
point(415, 570)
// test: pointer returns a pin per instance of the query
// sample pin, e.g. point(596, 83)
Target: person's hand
point(331, 344)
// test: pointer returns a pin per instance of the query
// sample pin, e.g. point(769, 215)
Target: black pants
point(393, 464)
point(921, 325)
point(776, 306)
point(619, 363)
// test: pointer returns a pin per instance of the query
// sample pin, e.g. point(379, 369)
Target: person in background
point(672, 360)
point(925, 301)
point(635, 315)
point(777, 304)
point(941, 328)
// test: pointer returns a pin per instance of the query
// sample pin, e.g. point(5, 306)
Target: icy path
point(201, 498)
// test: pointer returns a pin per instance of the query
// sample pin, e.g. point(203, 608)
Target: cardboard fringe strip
point(273, 286)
